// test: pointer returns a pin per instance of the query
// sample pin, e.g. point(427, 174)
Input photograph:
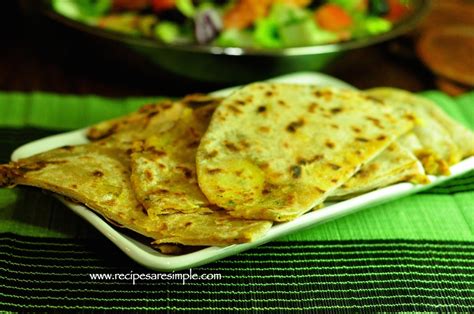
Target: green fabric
point(414, 217)
point(62, 112)
point(329, 276)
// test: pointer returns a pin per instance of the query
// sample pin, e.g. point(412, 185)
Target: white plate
point(150, 258)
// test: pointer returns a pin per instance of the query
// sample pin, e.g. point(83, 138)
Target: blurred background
point(41, 54)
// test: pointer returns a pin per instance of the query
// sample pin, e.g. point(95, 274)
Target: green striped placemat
point(334, 276)
point(413, 254)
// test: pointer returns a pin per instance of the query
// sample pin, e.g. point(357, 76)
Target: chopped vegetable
point(167, 32)
point(133, 5)
point(305, 33)
point(186, 7)
point(84, 11)
point(93, 7)
point(376, 25)
point(147, 24)
point(379, 7)
point(350, 5)
point(245, 13)
point(162, 5)
point(333, 17)
point(123, 22)
point(397, 10)
point(208, 24)
point(266, 34)
point(283, 14)
point(235, 38)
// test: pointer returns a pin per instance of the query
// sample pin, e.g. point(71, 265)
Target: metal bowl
point(231, 64)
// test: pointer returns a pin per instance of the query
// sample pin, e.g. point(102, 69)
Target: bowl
point(230, 64)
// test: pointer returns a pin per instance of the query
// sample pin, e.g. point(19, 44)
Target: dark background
point(36, 55)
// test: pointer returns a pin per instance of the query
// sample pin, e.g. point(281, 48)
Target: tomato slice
point(163, 5)
point(130, 4)
point(333, 17)
point(396, 10)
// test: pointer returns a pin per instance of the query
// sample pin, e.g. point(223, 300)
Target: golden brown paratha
point(274, 151)
point(148, 117)
point(164, 166)
point(462, 136)
point(135, 121)
point(147, 121)
point(216, 228)
point(94, 176)
point(164, 180)
point(164, 171)
point(444, 141)
point(99, 178)
point(394, 164)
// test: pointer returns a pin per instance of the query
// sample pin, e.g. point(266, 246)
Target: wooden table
point(31, 60)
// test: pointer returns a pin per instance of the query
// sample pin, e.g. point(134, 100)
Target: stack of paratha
point(211, 171)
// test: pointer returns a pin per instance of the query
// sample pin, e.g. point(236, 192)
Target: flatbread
point(394, 164)
point(147, 117)
point(94, 176)
point(99, 178)
point(135, 121)
point(164, 166)
point(213, 229)
point(444, 142)
point(164, 171)
point(164, 180)
point(274, 151)
point(147, 121)
point(462, 136)
point(410, 141)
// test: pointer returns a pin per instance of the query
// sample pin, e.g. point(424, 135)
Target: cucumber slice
point(305, 33)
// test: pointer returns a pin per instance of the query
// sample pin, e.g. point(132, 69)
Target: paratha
point(444, 142)
point(274, 151)
point(94, 176)
point(135, 121)
point(99, 178)
point(164, 166)
point(147, 121)
point(147, 117)
point(164, 171)
point(164, 180)
point(462, 136)
point(394, 164)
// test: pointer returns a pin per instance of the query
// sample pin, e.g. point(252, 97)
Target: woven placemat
point(413, 254)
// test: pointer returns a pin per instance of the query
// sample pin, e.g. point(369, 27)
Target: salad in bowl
point(255, 24)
